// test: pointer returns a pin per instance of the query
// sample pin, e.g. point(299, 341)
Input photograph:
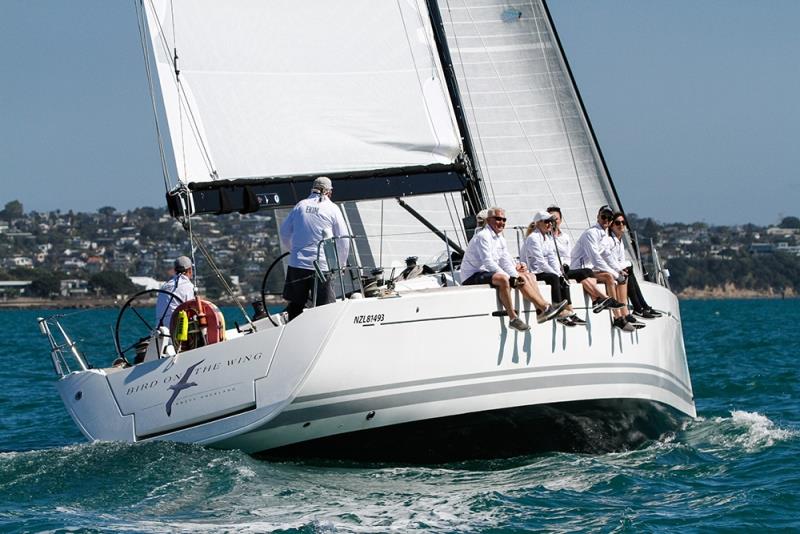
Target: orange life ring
point(214, 327)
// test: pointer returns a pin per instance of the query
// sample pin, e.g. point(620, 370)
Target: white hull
point(369, 363)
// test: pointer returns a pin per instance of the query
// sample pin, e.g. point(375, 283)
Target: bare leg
point(530, 290)
point(500, 281)
point(607, 280)
point(622, 291)
point(590, 286)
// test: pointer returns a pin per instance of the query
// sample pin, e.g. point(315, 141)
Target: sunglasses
point(499, 219)
point(605, 217)
point(619, 223)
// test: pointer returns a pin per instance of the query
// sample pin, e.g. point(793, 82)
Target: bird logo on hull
point(182, 384)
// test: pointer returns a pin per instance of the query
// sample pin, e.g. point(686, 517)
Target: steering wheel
point(142, 326)
point(265, 293)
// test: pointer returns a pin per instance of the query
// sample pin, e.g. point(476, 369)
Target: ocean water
point(735, 468)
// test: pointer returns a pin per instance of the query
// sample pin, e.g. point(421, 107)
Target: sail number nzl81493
point(368, 320)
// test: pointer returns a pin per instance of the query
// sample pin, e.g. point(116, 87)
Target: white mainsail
point(532, 140)
point(285, 88)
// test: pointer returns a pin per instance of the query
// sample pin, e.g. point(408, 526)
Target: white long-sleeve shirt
point(487, 251)
point(590, 251)
point(180, 286)
point(564, 244)
point(616, 253)
point(539, 253)
point(312, 220)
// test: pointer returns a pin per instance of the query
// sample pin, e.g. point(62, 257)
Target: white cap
point(182, 264)
point(322, 184)
point(542, 216)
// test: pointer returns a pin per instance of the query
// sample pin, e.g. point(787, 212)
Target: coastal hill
point(95, 257)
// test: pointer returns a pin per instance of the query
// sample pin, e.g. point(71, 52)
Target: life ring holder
point(214, 322)
point(264, 292)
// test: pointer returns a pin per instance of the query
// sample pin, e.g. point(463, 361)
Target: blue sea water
point(735, 468)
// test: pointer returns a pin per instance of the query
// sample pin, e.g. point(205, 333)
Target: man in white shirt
point(487, 261)
point(591, 251)
point(179, 285)
point(312, 220)
point(585, 277)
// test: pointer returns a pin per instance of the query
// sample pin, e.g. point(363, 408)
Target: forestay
point(285, 88)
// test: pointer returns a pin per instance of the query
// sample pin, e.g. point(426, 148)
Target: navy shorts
point(479, 278)
point(579, 275)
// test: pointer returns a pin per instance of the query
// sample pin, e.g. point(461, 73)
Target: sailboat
point(422, 113)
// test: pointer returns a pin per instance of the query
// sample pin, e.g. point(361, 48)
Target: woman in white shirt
point(617, 256)
point(540, 254)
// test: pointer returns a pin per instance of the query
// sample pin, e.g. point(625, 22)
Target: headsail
point(534, 145)
point(532, 141)
point(274, 92)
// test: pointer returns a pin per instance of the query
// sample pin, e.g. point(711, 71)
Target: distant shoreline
point(94, 302)
point(73, 303)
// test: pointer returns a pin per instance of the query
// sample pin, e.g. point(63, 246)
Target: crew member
point(487, 261)
point(583, 276)
point(590, 252)
point(179, 285)
point(312, 220)
point(540, 255)
point(619, 260)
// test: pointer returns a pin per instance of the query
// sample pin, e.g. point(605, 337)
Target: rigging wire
point(183, 102)
point(148, 69)
point(178, 87)
point(450, 211)
point(561, 114)
point(474, 114)
point(416, 70)
point(228, 289)
point(380, 249)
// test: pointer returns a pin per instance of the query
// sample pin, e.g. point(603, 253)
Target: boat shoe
point(551, 311)
point(623, 325)
point(519, 325)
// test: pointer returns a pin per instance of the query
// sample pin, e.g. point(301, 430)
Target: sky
point(694, 104)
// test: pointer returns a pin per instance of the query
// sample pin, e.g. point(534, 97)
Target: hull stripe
point(335, 409)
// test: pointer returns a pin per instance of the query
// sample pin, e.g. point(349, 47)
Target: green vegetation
point(777, 272)
point(94, 254)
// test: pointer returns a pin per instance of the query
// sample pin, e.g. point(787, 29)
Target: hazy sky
point(694, 102)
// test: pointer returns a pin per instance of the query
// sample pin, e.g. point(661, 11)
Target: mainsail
point(258, 92)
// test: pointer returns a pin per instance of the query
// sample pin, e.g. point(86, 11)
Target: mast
point(473, 197)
